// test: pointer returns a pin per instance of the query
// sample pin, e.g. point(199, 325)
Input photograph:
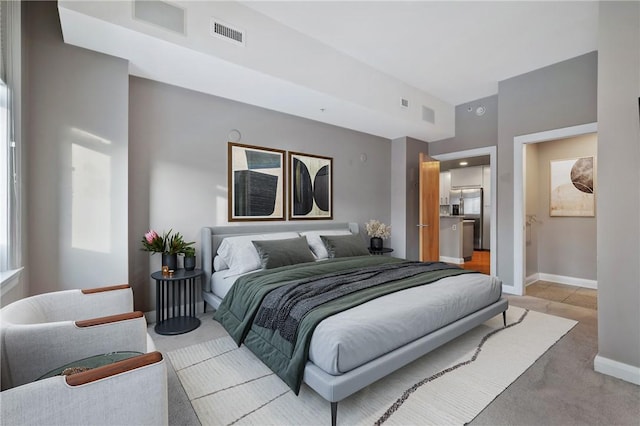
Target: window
point(10, 86)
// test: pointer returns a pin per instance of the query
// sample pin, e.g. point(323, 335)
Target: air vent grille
point(227, 32)
point(404, 103)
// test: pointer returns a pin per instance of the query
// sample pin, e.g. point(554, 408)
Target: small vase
point(190, 263)
point(170, 260)
point(376, 243)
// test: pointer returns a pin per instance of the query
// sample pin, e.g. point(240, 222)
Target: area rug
point(228, 385)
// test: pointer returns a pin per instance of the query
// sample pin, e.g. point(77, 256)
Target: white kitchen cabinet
point(445, 187)
point(467, 177)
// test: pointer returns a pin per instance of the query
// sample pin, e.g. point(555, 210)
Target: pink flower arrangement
point(153, 242)
point(167, 243)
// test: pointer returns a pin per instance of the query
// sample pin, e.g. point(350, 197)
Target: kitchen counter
point(456, 239)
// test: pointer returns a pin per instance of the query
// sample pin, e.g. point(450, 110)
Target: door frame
point(491, 151)
point(519, 191)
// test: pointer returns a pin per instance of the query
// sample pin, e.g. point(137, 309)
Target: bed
point(360, 342)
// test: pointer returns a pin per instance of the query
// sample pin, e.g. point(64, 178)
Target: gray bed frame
point(336, 388)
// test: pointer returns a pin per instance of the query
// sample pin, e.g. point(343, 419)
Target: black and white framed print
point(255, 183)
point(310, 186)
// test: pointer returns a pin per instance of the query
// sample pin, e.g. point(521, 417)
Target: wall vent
point(404, 103)
point(428, 115)
point(227, 32)
point(161, 14)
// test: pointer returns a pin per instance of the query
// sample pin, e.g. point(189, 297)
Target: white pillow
point(219, 264)
point(240, 254)
point(316, 244)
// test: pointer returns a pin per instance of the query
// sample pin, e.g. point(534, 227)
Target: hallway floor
point(480, 261)
point(571, 295)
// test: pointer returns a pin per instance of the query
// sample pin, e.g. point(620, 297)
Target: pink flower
point(150, 236)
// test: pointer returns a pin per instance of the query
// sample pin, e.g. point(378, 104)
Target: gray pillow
point(344, 245)
point(276, 253)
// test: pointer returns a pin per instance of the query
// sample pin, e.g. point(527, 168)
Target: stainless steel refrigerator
point(470, 204)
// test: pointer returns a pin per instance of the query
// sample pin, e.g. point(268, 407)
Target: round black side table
point(381, 251)
point(176, 301)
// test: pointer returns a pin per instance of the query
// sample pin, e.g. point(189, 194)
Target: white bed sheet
point(354, 337)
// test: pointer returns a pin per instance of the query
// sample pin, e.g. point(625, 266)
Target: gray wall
point(566, 245)
point(532, 184)
point(405, 196)
point(557, 96)
point(76, 122)
point(178, 164)
point(414, 148)
point(472, 131)
point(619, 175)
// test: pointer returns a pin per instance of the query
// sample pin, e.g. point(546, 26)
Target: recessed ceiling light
point(463, 163)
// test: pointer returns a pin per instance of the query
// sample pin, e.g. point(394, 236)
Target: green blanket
point(288, 358)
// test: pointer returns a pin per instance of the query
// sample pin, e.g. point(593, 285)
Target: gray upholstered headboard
point(212, 236)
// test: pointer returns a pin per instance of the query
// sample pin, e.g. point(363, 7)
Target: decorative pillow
point(240, 254)
point(344, 245)
point(316, 244)
point(274, 254)
point(219, 264)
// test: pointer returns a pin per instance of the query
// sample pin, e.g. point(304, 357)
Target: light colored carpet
point(452, 385)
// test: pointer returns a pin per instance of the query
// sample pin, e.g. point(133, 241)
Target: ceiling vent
point(404, 103)
point(160, 14)
point(428, 115)
point(227, 32)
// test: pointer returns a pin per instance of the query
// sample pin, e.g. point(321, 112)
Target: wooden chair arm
point(109, 288)
point(109, 319)
point(113, 369)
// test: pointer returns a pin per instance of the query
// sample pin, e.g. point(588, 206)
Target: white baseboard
point(562, 279)
point(531, 279)
point(456, 260)
point(626, 372)
point(151, 316)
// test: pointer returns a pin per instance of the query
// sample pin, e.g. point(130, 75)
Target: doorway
point(521, 221)
point(491, 206)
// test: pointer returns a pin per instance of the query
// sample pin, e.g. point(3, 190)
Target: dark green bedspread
point(288, 358)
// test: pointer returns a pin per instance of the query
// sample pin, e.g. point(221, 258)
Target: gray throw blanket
point(283, 308)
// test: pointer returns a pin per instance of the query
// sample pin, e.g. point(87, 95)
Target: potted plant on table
point(189, 254)
point(378, 231)
point(168, 244)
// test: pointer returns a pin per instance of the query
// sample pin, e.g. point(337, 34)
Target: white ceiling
point(455, 50)
point(344, 63)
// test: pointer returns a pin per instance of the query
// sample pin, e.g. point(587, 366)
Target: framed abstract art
point(310, 186)
point(572, 187)
point(255, 183)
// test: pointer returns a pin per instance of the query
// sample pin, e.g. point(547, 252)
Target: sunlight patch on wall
point(91, 199)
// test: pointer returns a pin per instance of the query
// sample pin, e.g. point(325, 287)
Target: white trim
point(491, 151)
point(563, 279)
point(8, 280)
point(519, 190)
point(532, 279)
point(626, 372)
point(456, 260)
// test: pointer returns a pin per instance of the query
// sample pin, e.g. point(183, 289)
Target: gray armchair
point(43, 332)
